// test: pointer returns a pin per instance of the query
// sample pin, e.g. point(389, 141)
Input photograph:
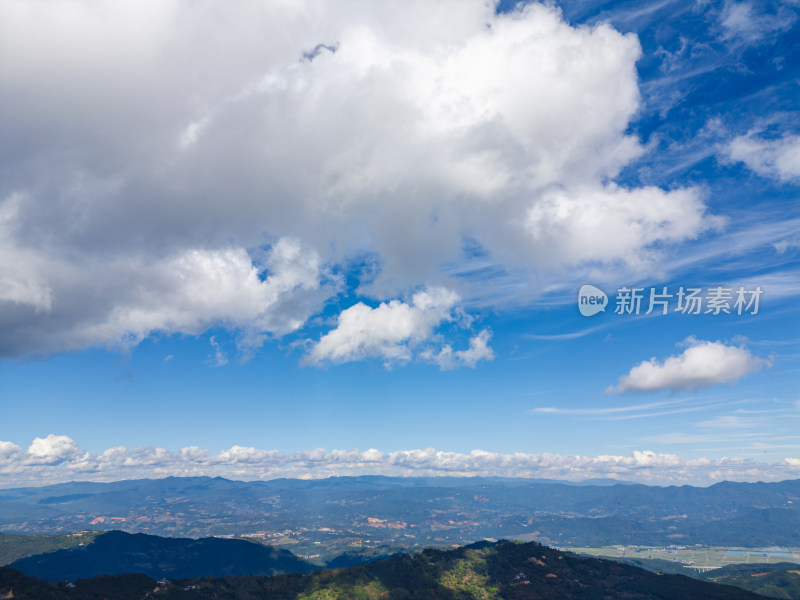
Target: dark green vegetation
point(116, 552)
point(482, 571)
point(15, 584)
point(14, 547)
point(321, 519)
point(776, 581)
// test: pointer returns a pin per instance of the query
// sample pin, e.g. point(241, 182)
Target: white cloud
point(188, 292)
point(199, 133)
point(478, 350)
point(247, 455)
point(778, 157)
point(789, 244)
point(219, 359)
point(390, 331)
point(730, 422)
point(612, 223)
point(52, 450)
point(743, 23)
point(69, 463)
point(9, 452)
point(702, 364)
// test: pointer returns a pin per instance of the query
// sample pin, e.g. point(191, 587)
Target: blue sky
point(239, 237)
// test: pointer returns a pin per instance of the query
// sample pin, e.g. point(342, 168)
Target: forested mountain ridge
point(485, 571)
point(116, 552)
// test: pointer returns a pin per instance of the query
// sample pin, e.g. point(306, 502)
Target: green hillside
point(13, 547)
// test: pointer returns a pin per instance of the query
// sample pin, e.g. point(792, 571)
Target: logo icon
point(591, 300)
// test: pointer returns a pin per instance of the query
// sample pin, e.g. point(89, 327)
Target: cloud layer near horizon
point(58, 458)
point(264, 147)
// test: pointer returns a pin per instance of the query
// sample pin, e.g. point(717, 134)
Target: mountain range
point(321, 519)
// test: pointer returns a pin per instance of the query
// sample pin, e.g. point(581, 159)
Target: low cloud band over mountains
point(54, 459)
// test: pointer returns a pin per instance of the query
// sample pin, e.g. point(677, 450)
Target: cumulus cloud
point(777, 157)
point(571, 227)
point(18, 469)
point(139, 185)
point(389, 331)
point(50, 451)
point(702, 364)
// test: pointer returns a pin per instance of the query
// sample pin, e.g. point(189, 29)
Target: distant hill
point(501, 571)
point(116, 552)
point(752, 528)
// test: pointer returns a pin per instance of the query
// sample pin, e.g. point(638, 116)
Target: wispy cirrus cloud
point(744, 23)
point(731, 422)
point(606, 410)
point(646, 410)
